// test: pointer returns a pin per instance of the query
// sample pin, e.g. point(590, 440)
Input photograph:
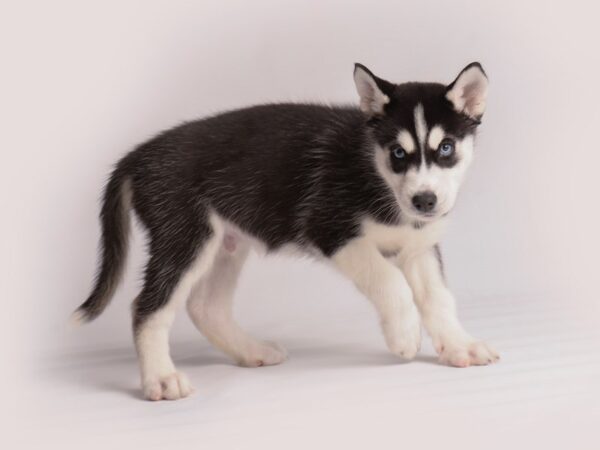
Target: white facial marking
point(444, 182)
point(406, 140)
point(436, 135)
point(420, 125)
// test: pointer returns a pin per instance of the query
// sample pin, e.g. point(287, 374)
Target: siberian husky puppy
point(367, 189)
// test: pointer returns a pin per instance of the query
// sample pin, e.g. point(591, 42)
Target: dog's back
point(277, 171)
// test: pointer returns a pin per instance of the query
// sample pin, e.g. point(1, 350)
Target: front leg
point(385, 285)
point(438, 310)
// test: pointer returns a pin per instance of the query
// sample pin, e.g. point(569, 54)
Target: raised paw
point(263, 354)
point(466, 353)
point(171, 387)
point(403, 334)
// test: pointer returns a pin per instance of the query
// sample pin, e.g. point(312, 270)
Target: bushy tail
point(115, 222)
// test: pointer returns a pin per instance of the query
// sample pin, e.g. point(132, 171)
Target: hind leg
point(175, 266)
point(211, 309)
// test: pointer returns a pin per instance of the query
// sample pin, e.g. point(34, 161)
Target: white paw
point(466, 352)
point(403, 334)
point(263, 354)
point(171, 387)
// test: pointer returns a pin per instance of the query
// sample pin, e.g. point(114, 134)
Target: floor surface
point(341, 389)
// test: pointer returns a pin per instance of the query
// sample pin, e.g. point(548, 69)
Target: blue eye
point(399, 153)
point(446, 148)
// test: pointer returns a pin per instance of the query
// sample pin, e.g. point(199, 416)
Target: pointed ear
point(469, 91)
point(373, 92)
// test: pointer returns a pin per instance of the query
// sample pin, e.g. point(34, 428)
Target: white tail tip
point(77, 319)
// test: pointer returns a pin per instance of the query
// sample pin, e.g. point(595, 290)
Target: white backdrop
point(83, 82)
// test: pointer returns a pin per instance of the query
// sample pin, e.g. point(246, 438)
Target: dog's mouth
point(426, 216)
point(420, 218)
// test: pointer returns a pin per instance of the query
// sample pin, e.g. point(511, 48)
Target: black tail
point(114, 219)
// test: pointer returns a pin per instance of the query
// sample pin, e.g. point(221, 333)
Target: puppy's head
point(424, 136)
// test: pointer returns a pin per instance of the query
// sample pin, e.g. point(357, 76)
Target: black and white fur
point(367, 189)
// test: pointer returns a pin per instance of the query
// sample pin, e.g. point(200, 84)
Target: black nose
point(424, 201)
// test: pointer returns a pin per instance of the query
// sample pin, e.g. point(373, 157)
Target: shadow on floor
point(115, 369)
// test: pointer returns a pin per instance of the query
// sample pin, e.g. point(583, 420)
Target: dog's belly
point(234, 237)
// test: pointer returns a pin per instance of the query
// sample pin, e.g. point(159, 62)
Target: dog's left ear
point(469, 91)
point(373, 91)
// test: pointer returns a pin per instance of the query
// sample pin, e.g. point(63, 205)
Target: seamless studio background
point(84, 82)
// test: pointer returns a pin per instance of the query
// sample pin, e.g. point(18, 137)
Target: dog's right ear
point(373, 92)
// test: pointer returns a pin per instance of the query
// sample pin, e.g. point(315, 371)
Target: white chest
point(404, 239)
